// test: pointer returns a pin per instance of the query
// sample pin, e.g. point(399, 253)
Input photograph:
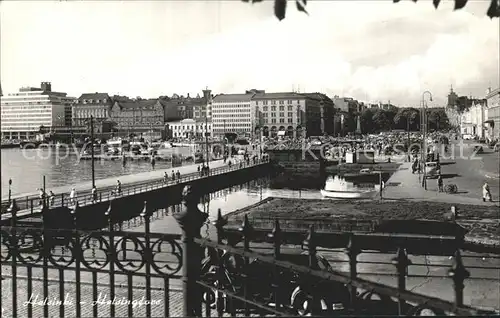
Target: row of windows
point(230, 120)
point(25, 124)
point(218, 111)
point(281, 121)
point(232, 116)
point(18, 108)
point(233, 125)
point(265, 115)
point(184, 127)
point(273, 102)
point(273, 108)
point(232, 130)
point(216, 106)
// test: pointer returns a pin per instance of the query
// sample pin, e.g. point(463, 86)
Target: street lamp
point(424, 135)
point(92, 148)
point(206, 135)
point(10, 192)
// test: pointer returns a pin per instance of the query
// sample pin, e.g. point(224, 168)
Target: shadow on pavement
point(449, 175)
point(462, 192)
point(447, 163)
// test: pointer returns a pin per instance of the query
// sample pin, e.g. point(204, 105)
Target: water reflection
point(26, 168)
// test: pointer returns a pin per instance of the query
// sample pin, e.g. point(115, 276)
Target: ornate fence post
point(401, 261)
point(146, 214)
point(458, 273)
point(13, 208)
point(219, 226)
point(352, 252)
point(190, 220)
point(246, 230)
point(77, 254)
point(310, 243)
point(112, 257)
point(275, 236)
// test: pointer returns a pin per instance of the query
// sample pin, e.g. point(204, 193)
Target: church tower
point(452, 98)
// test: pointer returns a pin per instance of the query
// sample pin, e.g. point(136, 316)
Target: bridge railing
point(34, 203)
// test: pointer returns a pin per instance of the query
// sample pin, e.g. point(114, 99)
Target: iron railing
point(120, 273)
point(34, 203)
point(240, 281)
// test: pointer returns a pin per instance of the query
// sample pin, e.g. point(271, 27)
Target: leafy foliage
point(280, 6)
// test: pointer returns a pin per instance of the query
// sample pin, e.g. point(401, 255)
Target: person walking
point(94, 194)
point(72, 196)
point(52, 197)
point(486, 193)
point(41, 196)
point(440, 183)
point(153, 162)
point(178, 175)
point(173, 175)
point(118, 187)
point(165, 177)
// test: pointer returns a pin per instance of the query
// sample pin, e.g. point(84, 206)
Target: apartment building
point(293, 114)
point(97, 105)
point(139, 116)
point(493, 118)
point(24, 113)
point(473, 120)
point(233, 113)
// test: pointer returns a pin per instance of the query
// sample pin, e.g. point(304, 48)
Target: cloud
point(370, 50)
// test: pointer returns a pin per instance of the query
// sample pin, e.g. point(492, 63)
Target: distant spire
point(451, 88)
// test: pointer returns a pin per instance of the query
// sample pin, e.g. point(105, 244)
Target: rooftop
point(94, 96)
point(224, 98)
point(283, 95)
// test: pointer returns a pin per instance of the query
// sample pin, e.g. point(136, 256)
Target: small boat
point(338, 188)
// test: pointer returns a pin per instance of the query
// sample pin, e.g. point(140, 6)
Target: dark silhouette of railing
point(34, 203)
point(213, 275)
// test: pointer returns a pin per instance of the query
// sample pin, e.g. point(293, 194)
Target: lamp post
point(206, 135)
point(424, 135)
point(92, 148)
point(10, 192)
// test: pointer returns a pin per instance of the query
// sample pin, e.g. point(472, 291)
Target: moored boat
point(338, 188)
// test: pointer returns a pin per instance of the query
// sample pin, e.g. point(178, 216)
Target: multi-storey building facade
point(24, 113)
point(190, 128)
point(293, 114)
point(139, 116)
point(233, 113)
point(493, 120)
point(202, 107)
point(97, 105)
point(473, 120)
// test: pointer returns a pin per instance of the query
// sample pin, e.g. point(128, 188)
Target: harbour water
point(26, 168)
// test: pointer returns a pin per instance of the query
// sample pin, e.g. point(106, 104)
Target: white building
point(233, 113)
point(473, 121)
point(190, 128)
point(25, 112)
point(493, 118)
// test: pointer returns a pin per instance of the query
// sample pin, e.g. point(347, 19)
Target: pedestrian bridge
point(159, 193)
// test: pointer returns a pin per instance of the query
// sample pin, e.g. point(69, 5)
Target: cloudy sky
point(370, 50)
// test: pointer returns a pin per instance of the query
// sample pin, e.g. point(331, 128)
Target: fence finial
point(13, 208)
point(145, 210)
point(246, 227)
point(110, 208)
point(458, 273)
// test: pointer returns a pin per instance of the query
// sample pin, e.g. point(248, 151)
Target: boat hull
point(348, 194)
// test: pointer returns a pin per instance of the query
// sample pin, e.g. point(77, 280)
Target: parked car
point(467, 137)
point(431, 170)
